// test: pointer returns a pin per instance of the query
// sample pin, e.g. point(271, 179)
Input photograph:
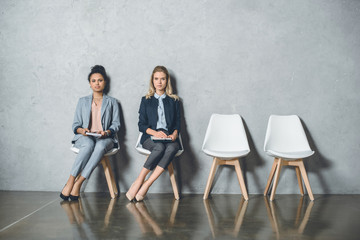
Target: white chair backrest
point(225, 133)
point(140, 149)
point(285, 134)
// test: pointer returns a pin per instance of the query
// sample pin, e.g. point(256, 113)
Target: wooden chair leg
point(298, 175)
point(241, 179)
point(276, 179)
point(306, 180)
point(211, 178)
point(173, 181)
point(271, 176)
point(108, 175)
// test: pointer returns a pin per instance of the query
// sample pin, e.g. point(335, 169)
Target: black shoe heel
point(65, 198)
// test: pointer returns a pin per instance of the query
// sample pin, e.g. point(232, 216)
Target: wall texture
point(253, 58)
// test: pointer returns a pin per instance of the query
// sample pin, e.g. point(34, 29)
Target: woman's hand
point(104, 134)
point(82, 131)
point(173, 136)
point(159, 134)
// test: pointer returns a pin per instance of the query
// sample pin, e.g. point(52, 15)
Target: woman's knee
point(85, 144)
point(174, 147)
point(159, 147)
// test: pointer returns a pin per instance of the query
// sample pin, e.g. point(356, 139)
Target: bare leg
point(137, 184)
point(145, 187)
point(77, 185)
point(69, 185)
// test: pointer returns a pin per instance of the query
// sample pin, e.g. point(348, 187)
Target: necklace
point(98, 102)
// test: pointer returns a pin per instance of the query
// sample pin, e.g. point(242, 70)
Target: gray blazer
point(110, 115)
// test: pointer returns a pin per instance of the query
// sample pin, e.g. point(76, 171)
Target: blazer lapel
point(88, 110)
point(104, 104)
point(154, 106)
point(166, 110)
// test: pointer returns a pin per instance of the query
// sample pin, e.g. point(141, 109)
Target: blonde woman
point(159, 117)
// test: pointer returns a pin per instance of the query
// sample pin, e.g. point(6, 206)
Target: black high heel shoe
point(65, 198)
point(74, 198)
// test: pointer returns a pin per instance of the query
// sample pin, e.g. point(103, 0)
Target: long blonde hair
point(168, 89)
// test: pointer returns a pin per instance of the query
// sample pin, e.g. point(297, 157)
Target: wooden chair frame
point(300, 174)
point(232, 162)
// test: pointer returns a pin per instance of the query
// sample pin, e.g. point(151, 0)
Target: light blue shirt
point(161, 123)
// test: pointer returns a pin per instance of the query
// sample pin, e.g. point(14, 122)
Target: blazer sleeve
point(78, 120)
point(115, 118)
point(178, 117)
point(143, 118)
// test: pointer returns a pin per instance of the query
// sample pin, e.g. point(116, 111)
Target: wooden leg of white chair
point(241, 180)
point(276, 179)
point(211, 178)
point(298, 175)
point(306, 180)
point(173, 181)
point(271, 176)
point(108, 175)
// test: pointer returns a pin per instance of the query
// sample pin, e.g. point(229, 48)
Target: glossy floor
point(42, 215)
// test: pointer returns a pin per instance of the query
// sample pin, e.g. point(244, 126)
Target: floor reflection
point(290, 227)
point(220, 223)
point(148, 223)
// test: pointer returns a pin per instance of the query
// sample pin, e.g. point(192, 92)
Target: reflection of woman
point(97, 113)
point(159, 117)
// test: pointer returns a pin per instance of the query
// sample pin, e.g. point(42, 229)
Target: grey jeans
point(161, 153)
point(91, 151)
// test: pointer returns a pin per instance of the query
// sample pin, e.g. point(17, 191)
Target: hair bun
point(97, 68)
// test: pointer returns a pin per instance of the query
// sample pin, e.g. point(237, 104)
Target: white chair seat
point(289, 155)
point(226, 154)
point(109, 153)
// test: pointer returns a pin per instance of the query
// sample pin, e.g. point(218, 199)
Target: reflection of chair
point(107, 169)
point(279, 229)
point(219, 230)
point(226, 141)
point(146, 152)
point(286, 141)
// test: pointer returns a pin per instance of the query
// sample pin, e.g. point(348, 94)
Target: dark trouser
point(161, 153)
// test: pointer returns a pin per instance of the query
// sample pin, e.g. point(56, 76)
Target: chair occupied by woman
point(159, 117)
point(98, 114)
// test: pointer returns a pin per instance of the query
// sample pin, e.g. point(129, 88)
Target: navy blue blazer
point(148, 115)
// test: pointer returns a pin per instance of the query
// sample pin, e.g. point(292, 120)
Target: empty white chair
point(146, 152)
point(226, 141)
point(107, 169)
point(286, 141)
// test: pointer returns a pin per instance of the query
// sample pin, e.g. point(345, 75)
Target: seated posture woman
point(96, 113)
point(159, 116)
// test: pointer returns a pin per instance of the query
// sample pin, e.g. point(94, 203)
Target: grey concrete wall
point(254, 58)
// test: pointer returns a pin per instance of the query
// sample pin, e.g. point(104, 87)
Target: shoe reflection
point(75, 212)
point(281, 226)
point(220, 225)
point(146, 222)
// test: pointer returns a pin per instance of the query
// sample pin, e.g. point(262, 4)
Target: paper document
point(93, 134)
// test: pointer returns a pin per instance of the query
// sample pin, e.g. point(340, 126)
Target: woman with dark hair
point(159, 118)
point(95, 125)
